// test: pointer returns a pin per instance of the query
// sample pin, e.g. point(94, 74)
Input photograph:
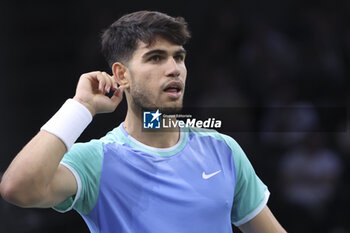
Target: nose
point(173, 69)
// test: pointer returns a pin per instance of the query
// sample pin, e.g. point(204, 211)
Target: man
point(132, 180)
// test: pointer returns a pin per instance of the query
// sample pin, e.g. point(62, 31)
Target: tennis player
point(186, 181)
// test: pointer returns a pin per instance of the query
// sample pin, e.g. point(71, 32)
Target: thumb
point(118, 95)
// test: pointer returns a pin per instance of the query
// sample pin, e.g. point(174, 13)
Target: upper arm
point(80, 169)
point(62, 186)
point(76, 181)
point(264, 222)
point(251, 194)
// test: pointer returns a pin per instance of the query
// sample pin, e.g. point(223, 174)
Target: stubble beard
point(141, 99)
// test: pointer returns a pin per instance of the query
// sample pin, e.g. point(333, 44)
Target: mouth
point(173, 89)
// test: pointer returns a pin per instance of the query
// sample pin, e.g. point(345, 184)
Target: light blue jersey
point(201, 184)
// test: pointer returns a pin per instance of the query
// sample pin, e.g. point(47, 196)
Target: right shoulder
point(95, 146)
point(84, 160)
point(86, 150)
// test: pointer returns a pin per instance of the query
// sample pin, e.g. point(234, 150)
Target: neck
point(159, 138)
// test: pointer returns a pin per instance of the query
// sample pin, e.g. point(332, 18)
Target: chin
point(173, 108)
point(167, 107)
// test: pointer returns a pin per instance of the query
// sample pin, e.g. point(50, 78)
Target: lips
point(173, 89)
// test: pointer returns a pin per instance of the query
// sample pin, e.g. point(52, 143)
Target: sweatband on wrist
point(69, 122)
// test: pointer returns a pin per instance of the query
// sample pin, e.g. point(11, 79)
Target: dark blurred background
point(243, 53)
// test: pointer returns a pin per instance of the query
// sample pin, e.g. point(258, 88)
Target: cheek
point(184, 71)
point(146, 84)
point(150, 79)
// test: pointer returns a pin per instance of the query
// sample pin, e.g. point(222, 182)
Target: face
point(157, 76)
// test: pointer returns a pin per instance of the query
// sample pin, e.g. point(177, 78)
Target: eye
point(155, 58)
point(179, 58)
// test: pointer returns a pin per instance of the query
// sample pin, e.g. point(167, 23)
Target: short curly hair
point(119, 41)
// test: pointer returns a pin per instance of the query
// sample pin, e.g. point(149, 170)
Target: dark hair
point(119, 41)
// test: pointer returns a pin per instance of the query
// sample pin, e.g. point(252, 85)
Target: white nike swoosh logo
point(207, 176)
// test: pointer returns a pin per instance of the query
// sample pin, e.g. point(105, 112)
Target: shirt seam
point(79, 188)
point(254, 212)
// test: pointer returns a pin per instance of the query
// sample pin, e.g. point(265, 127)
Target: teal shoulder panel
point(84, 160)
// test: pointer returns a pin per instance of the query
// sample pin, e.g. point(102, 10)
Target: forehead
point(159, 44)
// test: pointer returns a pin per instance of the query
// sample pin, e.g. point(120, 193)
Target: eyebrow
point(162, 52)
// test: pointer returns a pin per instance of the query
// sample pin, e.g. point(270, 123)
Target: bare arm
point(264, 222)
point(35, 178)
point(33, 169)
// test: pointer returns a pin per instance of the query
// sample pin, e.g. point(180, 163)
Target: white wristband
point(69, 122)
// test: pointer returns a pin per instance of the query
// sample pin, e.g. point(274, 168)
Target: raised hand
point(92, 89)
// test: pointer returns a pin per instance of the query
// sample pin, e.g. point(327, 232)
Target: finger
point(118, 95)
point(109, 82)
point(107, 85)
point(114, 82)
point(101, 82)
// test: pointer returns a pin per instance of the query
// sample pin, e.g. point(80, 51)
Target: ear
point(120, 74)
